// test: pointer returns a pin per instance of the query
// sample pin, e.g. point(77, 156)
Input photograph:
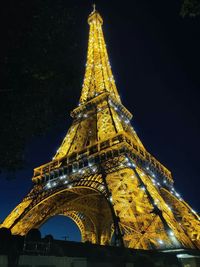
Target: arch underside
point(141, 226)
point(85, 206)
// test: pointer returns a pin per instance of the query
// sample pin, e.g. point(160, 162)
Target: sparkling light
point(171, 233)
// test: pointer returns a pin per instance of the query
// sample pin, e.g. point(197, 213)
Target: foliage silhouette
point(33, 235)
point(190, 8)
point(38, 70)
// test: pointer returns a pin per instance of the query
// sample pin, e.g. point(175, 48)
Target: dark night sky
point(155, 57)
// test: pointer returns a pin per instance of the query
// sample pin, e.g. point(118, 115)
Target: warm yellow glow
point(102, 166)
point(98, 75)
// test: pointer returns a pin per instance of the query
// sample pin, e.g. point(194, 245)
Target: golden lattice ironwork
point(102, 177)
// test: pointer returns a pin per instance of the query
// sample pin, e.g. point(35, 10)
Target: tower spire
point(98, 74)
point(94, 7)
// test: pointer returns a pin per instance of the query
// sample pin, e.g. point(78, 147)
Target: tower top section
point(95, 16)
point(98, 77)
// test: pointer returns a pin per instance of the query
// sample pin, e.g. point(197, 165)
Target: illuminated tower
point(102, 177)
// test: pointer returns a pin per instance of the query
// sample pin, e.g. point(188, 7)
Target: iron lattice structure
point(102, 177)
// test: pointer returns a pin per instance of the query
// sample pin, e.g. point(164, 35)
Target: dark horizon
point(155, 59)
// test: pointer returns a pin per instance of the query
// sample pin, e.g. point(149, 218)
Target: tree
point(11, 246)
point(48, 238)
point(38, 67)
point(5, 237)
point(190, 8)
point(33, 235)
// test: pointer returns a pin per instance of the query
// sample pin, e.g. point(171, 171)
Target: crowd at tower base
point(33, 251)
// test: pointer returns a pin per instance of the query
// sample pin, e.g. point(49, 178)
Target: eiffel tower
point(103, 178)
